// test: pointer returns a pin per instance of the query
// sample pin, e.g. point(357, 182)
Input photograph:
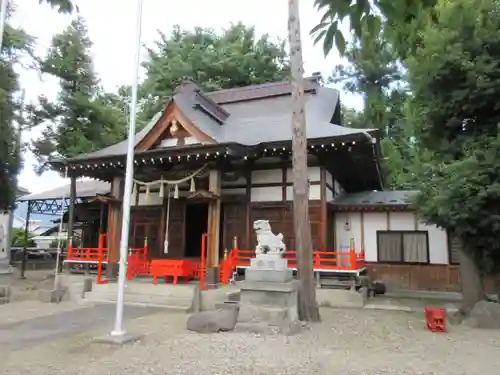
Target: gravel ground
point(345, 342)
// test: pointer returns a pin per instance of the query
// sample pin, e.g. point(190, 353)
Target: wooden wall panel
point(280, 216)
point(234, 224)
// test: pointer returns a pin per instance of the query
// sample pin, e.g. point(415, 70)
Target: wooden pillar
point(248, 213)
point(26, 236)
point(114, 229)
point(362, 220)
point(323, 211)
point(71, 219)
point(214, 208)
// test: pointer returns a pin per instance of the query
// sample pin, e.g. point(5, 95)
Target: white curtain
point(389, 247)
point(415, 247)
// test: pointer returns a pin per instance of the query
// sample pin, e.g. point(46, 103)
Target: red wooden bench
point(174, 268)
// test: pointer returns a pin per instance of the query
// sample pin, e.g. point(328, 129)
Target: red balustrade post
point(204, 238)
point(70, 251)
point(353, 260)
point(317, 260)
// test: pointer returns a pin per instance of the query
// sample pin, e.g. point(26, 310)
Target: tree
point(16, 43)
point(308, 307)
point(62, 6)
point(84, 118)
point(365, 16)
point(17, 238)
point(232, 58)
point(455, 83)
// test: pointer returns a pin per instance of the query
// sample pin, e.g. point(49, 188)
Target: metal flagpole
point(129, 174)
point(3, 17)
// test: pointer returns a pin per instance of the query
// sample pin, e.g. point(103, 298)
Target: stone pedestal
point(269, 296)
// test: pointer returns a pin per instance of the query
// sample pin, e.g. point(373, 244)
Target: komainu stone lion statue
point(267, 242)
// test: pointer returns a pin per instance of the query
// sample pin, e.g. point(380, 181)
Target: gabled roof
point(248, 116)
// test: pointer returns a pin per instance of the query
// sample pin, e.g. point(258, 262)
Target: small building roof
point(84, 189)
point(374, 199)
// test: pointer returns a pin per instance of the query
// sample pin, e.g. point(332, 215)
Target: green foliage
point(233, 58)
point(17, 238)
point(455, 82)
point(84, 118)
point(16, 43)
point(372, 70)
point(365, 16)
point(463, 196)
point(62, 6)
point(455, 76)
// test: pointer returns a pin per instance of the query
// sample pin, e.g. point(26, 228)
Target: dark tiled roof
point(376, 198)
point(267, 90)
point(249, 115)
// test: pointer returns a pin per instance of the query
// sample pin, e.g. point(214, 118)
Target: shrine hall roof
point(249, 115)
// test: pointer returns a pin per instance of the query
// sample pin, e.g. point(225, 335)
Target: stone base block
point(4, 300)
point(269, 262)
point(51, 296)
point(118, 340)
point(263, 275)
point(341, 298)
point(4, 291)
point(272, 315)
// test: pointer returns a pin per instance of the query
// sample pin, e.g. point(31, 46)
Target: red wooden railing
point(321, 260)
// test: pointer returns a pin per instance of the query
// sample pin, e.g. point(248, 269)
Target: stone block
point(269, 262)
point(272, 315)
point(118, 340)
point(484, 315)
point(227, 305)
point(341, 298)
point(212, 321)
point(4, 291)
point(4, 300)
point(51, 295)
point(269, 298)
point(266, 275)
point(269, 286)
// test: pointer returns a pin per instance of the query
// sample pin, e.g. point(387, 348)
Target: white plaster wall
point(375, 221)
point(267, 176)
point(153, 199)
point(171, 142)
point(4, 235)
point(266, 194)
point(313, 174)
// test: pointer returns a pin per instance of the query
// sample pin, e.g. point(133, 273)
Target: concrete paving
point(19, 335)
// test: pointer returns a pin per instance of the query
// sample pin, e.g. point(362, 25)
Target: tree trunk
point(470, 280)
point(308, 308)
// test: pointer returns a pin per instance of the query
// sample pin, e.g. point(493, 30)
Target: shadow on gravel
point(21, 334)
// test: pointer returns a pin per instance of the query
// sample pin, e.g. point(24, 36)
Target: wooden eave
point(104, 199)
point(203, 195)
point(370, 207)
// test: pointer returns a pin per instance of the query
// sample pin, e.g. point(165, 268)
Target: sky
point(111, 25)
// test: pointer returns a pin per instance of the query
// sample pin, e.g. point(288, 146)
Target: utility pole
point(308, 307)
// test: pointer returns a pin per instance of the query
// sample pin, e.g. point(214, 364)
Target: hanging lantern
point(176, 192)
point(193, 187)
point(162, 190)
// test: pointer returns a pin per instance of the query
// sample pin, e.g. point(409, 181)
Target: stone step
point(160, 306)
point(142, 298)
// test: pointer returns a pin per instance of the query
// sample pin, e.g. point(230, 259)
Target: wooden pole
point(308, 308)
point(26, 237)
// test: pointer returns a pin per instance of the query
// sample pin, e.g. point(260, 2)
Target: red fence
point(320, 261)
point(139, 263)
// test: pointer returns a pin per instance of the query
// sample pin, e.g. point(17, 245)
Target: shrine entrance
point(196, 224)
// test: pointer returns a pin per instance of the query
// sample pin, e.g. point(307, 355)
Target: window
point(403, 246)
point(454, 245)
